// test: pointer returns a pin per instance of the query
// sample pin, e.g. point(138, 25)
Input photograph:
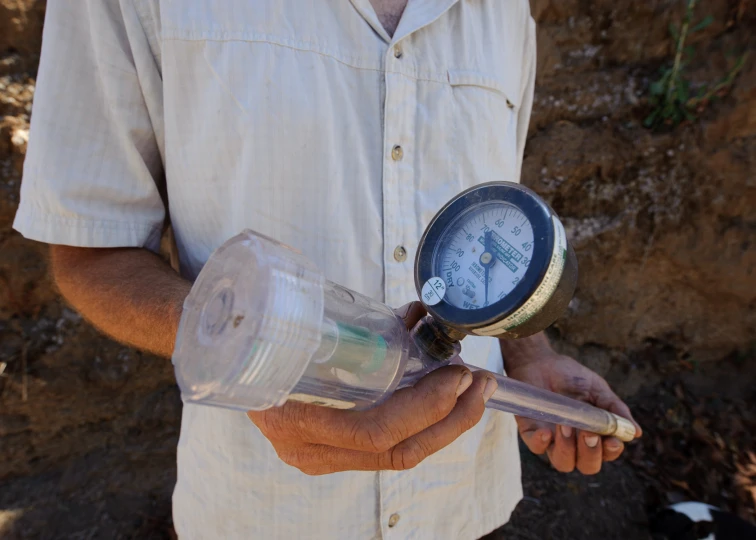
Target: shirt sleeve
point(93, 174)
point(528, 91)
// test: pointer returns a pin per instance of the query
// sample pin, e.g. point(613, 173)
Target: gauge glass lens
point(490, 242)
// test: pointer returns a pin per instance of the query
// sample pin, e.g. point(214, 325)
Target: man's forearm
point(136, 298)
point(130, 294)
point(518, 351)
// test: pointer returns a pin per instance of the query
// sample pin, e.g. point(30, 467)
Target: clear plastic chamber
point(262, 326)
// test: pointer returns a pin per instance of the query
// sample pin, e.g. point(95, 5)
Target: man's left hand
point(566, 447)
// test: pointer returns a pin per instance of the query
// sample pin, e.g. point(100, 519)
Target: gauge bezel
point(539, 215)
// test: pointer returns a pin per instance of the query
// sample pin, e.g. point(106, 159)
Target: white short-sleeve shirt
point(283, 116)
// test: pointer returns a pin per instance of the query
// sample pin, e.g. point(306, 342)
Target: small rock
point(114, 371)
point(71, 316)
point(20, 138)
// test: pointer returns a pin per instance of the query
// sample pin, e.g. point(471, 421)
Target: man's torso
point(310, 123)
point(307, 108)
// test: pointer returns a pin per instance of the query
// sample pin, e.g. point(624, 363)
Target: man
point(339, 128)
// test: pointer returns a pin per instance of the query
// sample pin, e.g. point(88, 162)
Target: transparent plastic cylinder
point(362, 355)
point(262, 326)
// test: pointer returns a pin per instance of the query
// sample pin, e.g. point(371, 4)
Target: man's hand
point(398, 434)
point(567, 448)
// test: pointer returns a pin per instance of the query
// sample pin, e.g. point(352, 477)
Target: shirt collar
point(417, 14)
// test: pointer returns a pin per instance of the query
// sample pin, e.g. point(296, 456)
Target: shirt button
point(393, 520)
point(397, 153)
point(398, 51)
point(400, 254)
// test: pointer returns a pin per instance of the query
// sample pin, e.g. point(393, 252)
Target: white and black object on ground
point(499, 261)
point(699, 521)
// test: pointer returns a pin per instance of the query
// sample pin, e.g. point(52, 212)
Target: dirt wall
point(664, 224)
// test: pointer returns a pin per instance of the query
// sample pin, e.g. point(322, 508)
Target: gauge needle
point(486, 259)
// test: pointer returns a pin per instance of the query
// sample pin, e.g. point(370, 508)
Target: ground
point(664, 225)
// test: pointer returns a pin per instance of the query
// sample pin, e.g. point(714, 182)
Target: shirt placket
point(399, 213)
point(398, 174)
point(399, 234)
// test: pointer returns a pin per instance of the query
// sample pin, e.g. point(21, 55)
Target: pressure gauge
point(495, 261)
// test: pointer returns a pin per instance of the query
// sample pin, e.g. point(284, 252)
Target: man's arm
point(517, 351)
point(136, 298)
point(130, 294)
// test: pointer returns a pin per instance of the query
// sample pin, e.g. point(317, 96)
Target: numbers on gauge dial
point(462, 260)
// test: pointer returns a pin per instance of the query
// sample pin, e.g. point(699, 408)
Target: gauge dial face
point(483, 254)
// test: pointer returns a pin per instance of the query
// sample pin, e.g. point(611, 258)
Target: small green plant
point(670, 95)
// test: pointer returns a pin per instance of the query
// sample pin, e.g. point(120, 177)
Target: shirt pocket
point(485, 108)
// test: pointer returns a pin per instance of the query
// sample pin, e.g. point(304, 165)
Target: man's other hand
point(408, 427)
point(568, 448)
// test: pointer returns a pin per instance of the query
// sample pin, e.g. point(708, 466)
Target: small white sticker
point(434, 291)
point(322, 401)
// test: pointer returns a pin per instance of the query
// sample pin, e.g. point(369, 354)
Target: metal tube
point(538, 404)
